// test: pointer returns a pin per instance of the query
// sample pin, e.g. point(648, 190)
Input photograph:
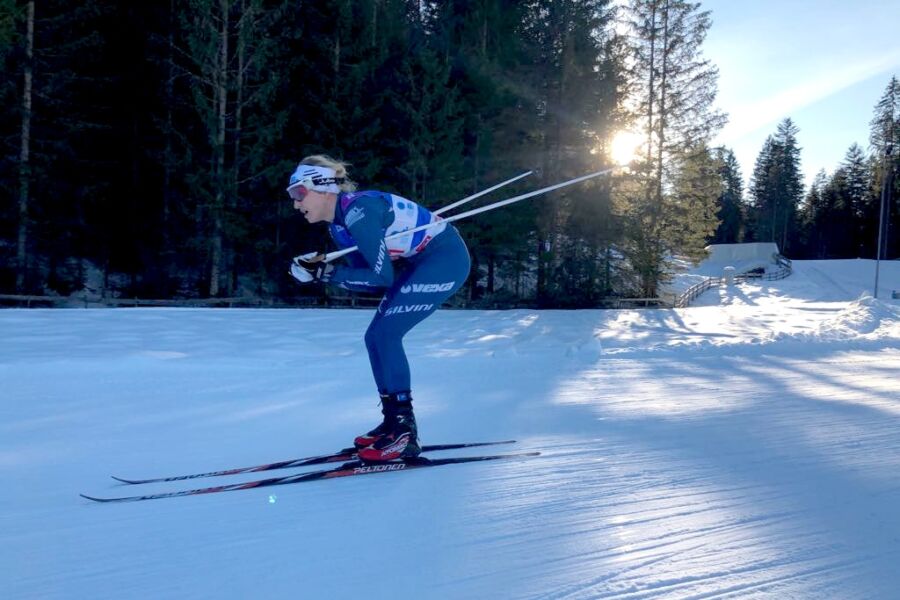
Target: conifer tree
point(730, 204)
point(25, 167)
point(776, 188)
point(759, 190)
point(839, 237)
point(674, 87)
point(51, 73)
point(484, 44)
point(9, 210)
point(225, 55)
point(858, 201)
point(885, 135)
point(813, 215)
point(695, 191)
point(576, 98)
point(885, 123)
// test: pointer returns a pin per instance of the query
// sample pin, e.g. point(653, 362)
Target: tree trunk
point(652, 84)
point(169, 263)
point(219, 152)
point(541, 283)
point(662, 113)
point(24, 154)
point(374, 25)
point(490, 273)
point(246, 20)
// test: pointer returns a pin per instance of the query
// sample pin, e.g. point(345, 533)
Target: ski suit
point(416, 273)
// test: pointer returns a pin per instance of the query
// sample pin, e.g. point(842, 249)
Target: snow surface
point(746, 447)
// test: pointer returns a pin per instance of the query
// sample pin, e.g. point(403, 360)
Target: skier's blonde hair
point(339, 168)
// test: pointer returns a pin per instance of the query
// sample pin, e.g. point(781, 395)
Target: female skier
point(435, 265)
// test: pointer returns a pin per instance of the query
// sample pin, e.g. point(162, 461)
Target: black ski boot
point(397, 436)
point(389, 410)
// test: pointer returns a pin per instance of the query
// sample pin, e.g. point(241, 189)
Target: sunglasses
point(298, 193)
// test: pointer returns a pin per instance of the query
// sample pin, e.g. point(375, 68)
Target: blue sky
point(823, 64)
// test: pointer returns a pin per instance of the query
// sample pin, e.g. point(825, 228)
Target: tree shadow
point(800, 461)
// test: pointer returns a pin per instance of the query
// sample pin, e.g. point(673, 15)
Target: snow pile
point(867, 318)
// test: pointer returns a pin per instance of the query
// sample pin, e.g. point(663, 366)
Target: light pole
point(884, 210)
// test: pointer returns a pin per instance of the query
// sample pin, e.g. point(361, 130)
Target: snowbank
point(865, 319)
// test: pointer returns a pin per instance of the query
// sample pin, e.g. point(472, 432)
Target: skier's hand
point(309, 268)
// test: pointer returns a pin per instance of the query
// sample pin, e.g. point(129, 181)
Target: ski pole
point(339, 253)
point(311, 255)
point(481, 193)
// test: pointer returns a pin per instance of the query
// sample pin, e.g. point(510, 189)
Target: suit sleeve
point(367, 220)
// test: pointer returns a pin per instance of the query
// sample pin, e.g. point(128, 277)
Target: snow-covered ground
point(746, 447)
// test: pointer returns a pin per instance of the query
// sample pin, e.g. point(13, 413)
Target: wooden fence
point(785, 268)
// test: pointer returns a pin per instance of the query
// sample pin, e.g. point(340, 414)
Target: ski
point(348, 469)
point(344, 455)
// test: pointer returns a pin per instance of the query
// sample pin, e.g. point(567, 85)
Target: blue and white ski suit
point(431, 266)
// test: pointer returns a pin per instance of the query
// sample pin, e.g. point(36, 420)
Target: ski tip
point(475, 444)
point(128, 481)
point(519, 455)
point(86, 497)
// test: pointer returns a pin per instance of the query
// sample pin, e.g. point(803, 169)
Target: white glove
point(309, 268)
point(301, 274)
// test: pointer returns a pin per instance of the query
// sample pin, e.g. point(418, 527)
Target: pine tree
point(534, 83)
point(695, 191)
point(813, 215)
point(225, 56)
point(25, 167)
point(483, 42)
point(839, 237)
point(730, 211)
point(674, 87)
point(858, 201)
point(776, 189)
point(9, 122)
point(884, 139)
point(885, 124)
point(52, 69)
point(426, 109)
point(576, 113)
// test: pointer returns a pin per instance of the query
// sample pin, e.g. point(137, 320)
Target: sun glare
point(625, 146)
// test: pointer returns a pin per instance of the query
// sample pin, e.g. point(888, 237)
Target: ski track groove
point(660, 543)
point(676, 585)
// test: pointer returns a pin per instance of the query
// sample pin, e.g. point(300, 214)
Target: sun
point(624, 147)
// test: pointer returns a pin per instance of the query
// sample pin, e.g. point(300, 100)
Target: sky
point(823, 64)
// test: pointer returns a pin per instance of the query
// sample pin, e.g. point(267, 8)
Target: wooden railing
point(691, 294)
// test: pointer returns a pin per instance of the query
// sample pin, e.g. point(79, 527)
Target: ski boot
point(397, 436)
point(389, 410)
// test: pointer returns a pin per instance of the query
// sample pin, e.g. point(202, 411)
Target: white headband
point(320, 179)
